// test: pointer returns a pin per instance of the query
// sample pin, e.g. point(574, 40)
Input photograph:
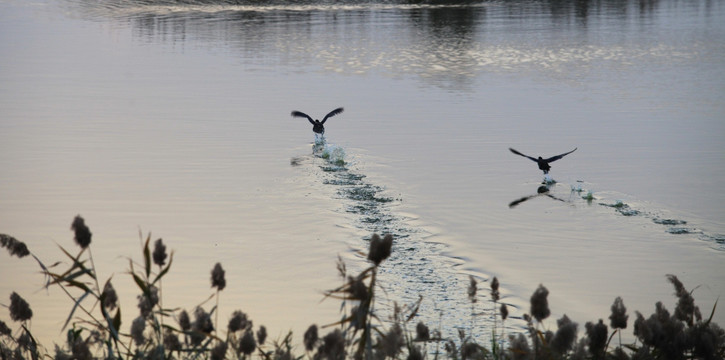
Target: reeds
point(96, 328)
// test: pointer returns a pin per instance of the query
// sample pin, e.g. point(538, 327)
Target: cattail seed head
point(239, 321)
point(415, 353)
point(469, 350)
point(137, 328)
point(565, 336)
point(4, 329)
point(217, 277)
point(261, 335)
point(247, 344)
point(202, 321)
point(686, 310)
point(539, 304)
point(597, 334)
point(422, 332)
point(147, 301)
point(171, 341)
point(380, 248)
point(472, 289)
point(519, 347)
point(392, 341)
point(333, 346)
point(494, 289)
point(14, 246)
point(110, 298)
point(504, 312)
point(81, 351)
point(310, 337)
point(184, 321)
point(19, 308)
point(159, 254)
point(220, 351)
point(618, 318)
point(82, 232)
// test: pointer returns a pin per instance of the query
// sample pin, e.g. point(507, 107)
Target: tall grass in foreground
point(95, 327)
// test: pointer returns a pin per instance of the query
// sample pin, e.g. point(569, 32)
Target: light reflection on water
point(182, 116)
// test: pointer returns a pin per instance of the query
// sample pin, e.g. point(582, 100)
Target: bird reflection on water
point(542, 190)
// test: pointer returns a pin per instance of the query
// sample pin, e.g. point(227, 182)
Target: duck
point(317, 125)
point(543, 163)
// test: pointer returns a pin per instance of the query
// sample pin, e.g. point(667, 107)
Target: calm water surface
point(174, 119)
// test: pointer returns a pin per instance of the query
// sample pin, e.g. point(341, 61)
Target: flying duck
point(317, 125)
point(543, 163)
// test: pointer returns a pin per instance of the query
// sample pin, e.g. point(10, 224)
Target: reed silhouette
point(157, 331)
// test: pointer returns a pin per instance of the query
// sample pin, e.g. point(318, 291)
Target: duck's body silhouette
point(543, 163)
point(317, 125)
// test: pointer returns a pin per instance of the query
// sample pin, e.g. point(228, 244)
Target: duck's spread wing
point(332, 113)
point(296, 113)
point(557, 157)
point(518, 153)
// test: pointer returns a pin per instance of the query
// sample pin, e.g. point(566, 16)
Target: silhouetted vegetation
point(96, 327)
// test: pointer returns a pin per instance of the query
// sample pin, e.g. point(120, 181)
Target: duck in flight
point(543, 163)
point(317, 125)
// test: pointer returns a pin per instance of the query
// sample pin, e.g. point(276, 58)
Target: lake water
point(174, 119)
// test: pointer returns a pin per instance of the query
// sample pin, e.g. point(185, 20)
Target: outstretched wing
point(296, 113)
point(519, 201)
point(526, 156)
point(557, 157)
point(332, 113)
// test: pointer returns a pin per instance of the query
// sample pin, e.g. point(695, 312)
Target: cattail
point(80, 350)
point(171, 341)
point(333, 346)
point(310, 337)
point(239, 321)
point(472, 289)
point(247, 344)
point(494, 289)
point(686, 310)
point(519, 347)
point(415, 353)
point(83, 233)
point(217, 277)
point(392, 341)
point(159, 254)
point(60, 354)
point(261, 335)
point(618, 319)
point(469, 350)
point(421, 331)
point(148, 300)
point(109, 296)
point(184, 321)
point(597, 334)
point(565, 336)
point(504, 312)
point(380, 248)
point(19, 308)
point(341, 267)
point(202, 321)
point(220, 351)
point(14, 246)
point(539, 304)
point(137, 327)
point(4, 329)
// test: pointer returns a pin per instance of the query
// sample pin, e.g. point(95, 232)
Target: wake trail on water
point(418, 267)
point(579, 194)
